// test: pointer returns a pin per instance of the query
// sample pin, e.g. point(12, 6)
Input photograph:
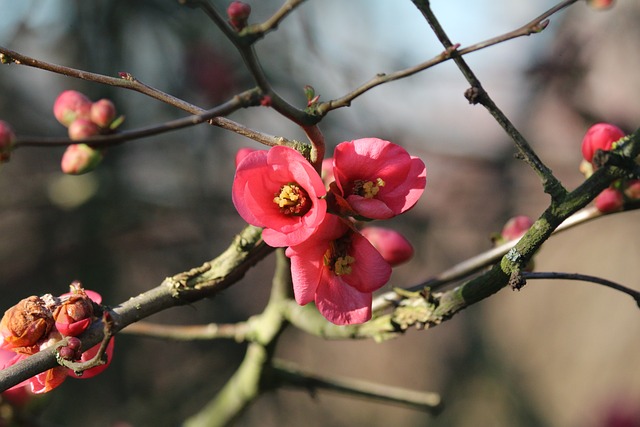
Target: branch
point(290, 375)
point(243, 100)
point(235, 331)
point(477, 94)
point(212, 277)
point(128, 81)
point(451, 51)
point(585, 278)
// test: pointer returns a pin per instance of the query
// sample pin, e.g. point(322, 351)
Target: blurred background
point(556, 354)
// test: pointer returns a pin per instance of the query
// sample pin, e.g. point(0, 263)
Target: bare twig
point(584, 278)
point(235, 331)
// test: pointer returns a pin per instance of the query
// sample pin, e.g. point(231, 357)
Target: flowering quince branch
point(526, 275)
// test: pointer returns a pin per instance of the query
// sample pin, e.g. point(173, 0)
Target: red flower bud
point(7, 139)
point(393, 246)
point(600, 136)
point(610, 200)
point(83, 128)
point(79, 159)
point(103, 112)
point(25, 324)
point(71, 105)
point(516, 227)
point(632, 189)
point(238, 13)
point(74, 314)
point(600, 4)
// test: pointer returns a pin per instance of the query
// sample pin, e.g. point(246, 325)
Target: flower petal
point(340, 303)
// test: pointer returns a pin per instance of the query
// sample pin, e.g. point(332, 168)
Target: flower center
point(336, 257)
point(367, 189)
point(292, 200)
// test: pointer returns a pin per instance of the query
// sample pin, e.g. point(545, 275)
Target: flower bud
point(516, 227)
point(103, 112)
point(71, 105)
point(393, 246)
point(80, 158)
point(632, 189)
point(25, 324)
point(82, 129)
point(238, 13)
point(600, 4)
point(74, 314)
point(7, 139)
point(610, 200)
point(600, 136)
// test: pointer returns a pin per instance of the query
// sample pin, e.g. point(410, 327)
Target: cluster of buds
point(7, 139)
point(605, 137)
point(84, 119)
point(318, 219)
point(40, 322)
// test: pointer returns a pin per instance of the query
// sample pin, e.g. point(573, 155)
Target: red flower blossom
point(376, 179)
point(339, 269)
point(25, 324)
point(279, 190)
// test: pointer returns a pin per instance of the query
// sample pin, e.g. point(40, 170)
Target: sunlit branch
point(235, 331)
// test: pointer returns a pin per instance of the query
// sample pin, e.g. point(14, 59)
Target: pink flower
point(376, 179)
point(393, 246)
point(279, 190)
point(242, 153)
point(339, 269)
point(600, 136)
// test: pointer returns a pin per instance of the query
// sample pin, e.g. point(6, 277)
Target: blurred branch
point(128, 81)
point(235, 331)
point(476, 94)
point(288, 374)
point(584, 278)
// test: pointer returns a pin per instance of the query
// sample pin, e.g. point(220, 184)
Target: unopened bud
point(79, 159)
point(393, 246)
point(600, 4)
point(103, 112)
point(600, 136)
point(632, 189)
point(82, 129)
point(238, 13)
point(515, 227)
point(71, 105)
point(610, 200)
point(7, 139)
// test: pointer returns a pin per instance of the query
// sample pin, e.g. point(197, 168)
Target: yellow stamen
point(368, 189)
point(292, 200)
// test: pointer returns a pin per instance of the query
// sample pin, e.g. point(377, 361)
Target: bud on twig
point(238, 13)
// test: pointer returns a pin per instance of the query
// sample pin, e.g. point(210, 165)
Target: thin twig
point(584, 278)
point(290, 375)
point(235, 331)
